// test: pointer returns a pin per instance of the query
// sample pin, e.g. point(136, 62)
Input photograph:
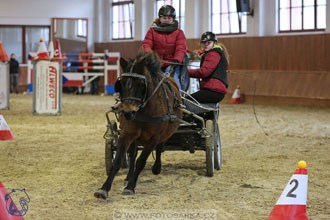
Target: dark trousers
point(95, 86)
point(14, 82)
point(208, 96)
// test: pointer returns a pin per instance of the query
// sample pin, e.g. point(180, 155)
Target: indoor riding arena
point(260, 153)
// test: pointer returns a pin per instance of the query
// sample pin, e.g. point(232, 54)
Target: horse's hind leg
point(140, 164)
point(132, 152)
point(157, 167)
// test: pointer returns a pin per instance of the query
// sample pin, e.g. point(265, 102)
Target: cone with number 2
point(292, 202)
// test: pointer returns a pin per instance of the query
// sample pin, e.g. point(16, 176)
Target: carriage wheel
point(217, 148)
point(209, 148)
point(110, 155)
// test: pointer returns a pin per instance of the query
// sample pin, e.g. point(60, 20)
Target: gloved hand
point(174, 64)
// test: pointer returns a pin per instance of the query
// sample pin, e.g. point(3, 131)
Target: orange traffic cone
point(292, 203)
point(236, 98)
point(7, 205)
point(57, 53)
point(3, 54)
point(42, 53)
point(51, 49)
point(5, 133)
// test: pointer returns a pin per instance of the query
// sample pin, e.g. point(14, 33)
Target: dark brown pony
point(149, 115)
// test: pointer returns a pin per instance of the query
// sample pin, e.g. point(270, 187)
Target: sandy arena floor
point(60, 163)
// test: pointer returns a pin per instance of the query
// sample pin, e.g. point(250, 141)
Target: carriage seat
point(199, 108)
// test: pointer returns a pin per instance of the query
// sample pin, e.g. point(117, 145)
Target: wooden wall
point(22, 78)
point(294, 68)
point(283, 53)
point(127, 49)
point(72, 46)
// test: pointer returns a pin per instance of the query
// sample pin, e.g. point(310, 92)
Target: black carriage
point(198, 131)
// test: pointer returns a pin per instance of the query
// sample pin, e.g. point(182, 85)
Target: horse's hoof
point(156, 170)
point(101, 194)
point(128, 192)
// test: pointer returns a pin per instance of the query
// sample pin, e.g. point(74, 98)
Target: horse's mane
point(150, 60)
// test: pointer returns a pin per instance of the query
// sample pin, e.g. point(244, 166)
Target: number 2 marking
point(290, 193)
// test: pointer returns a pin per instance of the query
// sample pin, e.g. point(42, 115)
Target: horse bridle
point(132, 75)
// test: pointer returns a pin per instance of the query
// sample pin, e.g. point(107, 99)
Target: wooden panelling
point(72, 46)
point(314, 85)
point(127, 49)
point(283, 53)
point(22, 79)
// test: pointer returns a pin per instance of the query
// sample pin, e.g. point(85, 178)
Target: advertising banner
point(47, 84)
point(4, 85)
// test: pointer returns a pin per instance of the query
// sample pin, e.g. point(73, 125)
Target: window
point(23, 39)
point(226, 19)
point(302, 15)
point(122, 19)
point(81, 28)
point(11, 37)
point(179, 6)
point(32, 38)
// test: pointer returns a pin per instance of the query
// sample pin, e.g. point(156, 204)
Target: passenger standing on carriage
point(212, 71)
point(167, 40)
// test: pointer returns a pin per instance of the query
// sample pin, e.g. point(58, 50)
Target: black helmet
point(167, 10)
point(208, 36)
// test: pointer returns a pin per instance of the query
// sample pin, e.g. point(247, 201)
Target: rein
point(142, 105)
point(169, 117)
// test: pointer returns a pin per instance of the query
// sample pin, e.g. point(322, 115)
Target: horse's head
point(133, 83)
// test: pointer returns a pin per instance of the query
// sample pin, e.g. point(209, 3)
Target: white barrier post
point(4, 85)
point(47, 87)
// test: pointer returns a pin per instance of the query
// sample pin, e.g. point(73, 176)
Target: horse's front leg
point(132, 153)
point(123, 144)
point(157, 167)
point(140, 164)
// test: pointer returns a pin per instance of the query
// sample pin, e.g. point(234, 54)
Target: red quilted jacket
point(211, 61)
point(170, 46)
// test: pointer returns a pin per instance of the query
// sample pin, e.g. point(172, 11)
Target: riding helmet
point(208, 36)
point(167, 10)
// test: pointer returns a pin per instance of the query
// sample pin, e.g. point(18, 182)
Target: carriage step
point(186, 124)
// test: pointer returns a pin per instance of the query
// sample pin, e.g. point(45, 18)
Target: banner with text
point(47, 92)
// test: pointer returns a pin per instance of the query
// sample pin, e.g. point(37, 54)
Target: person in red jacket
point(167, 40)
point(212, 71)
